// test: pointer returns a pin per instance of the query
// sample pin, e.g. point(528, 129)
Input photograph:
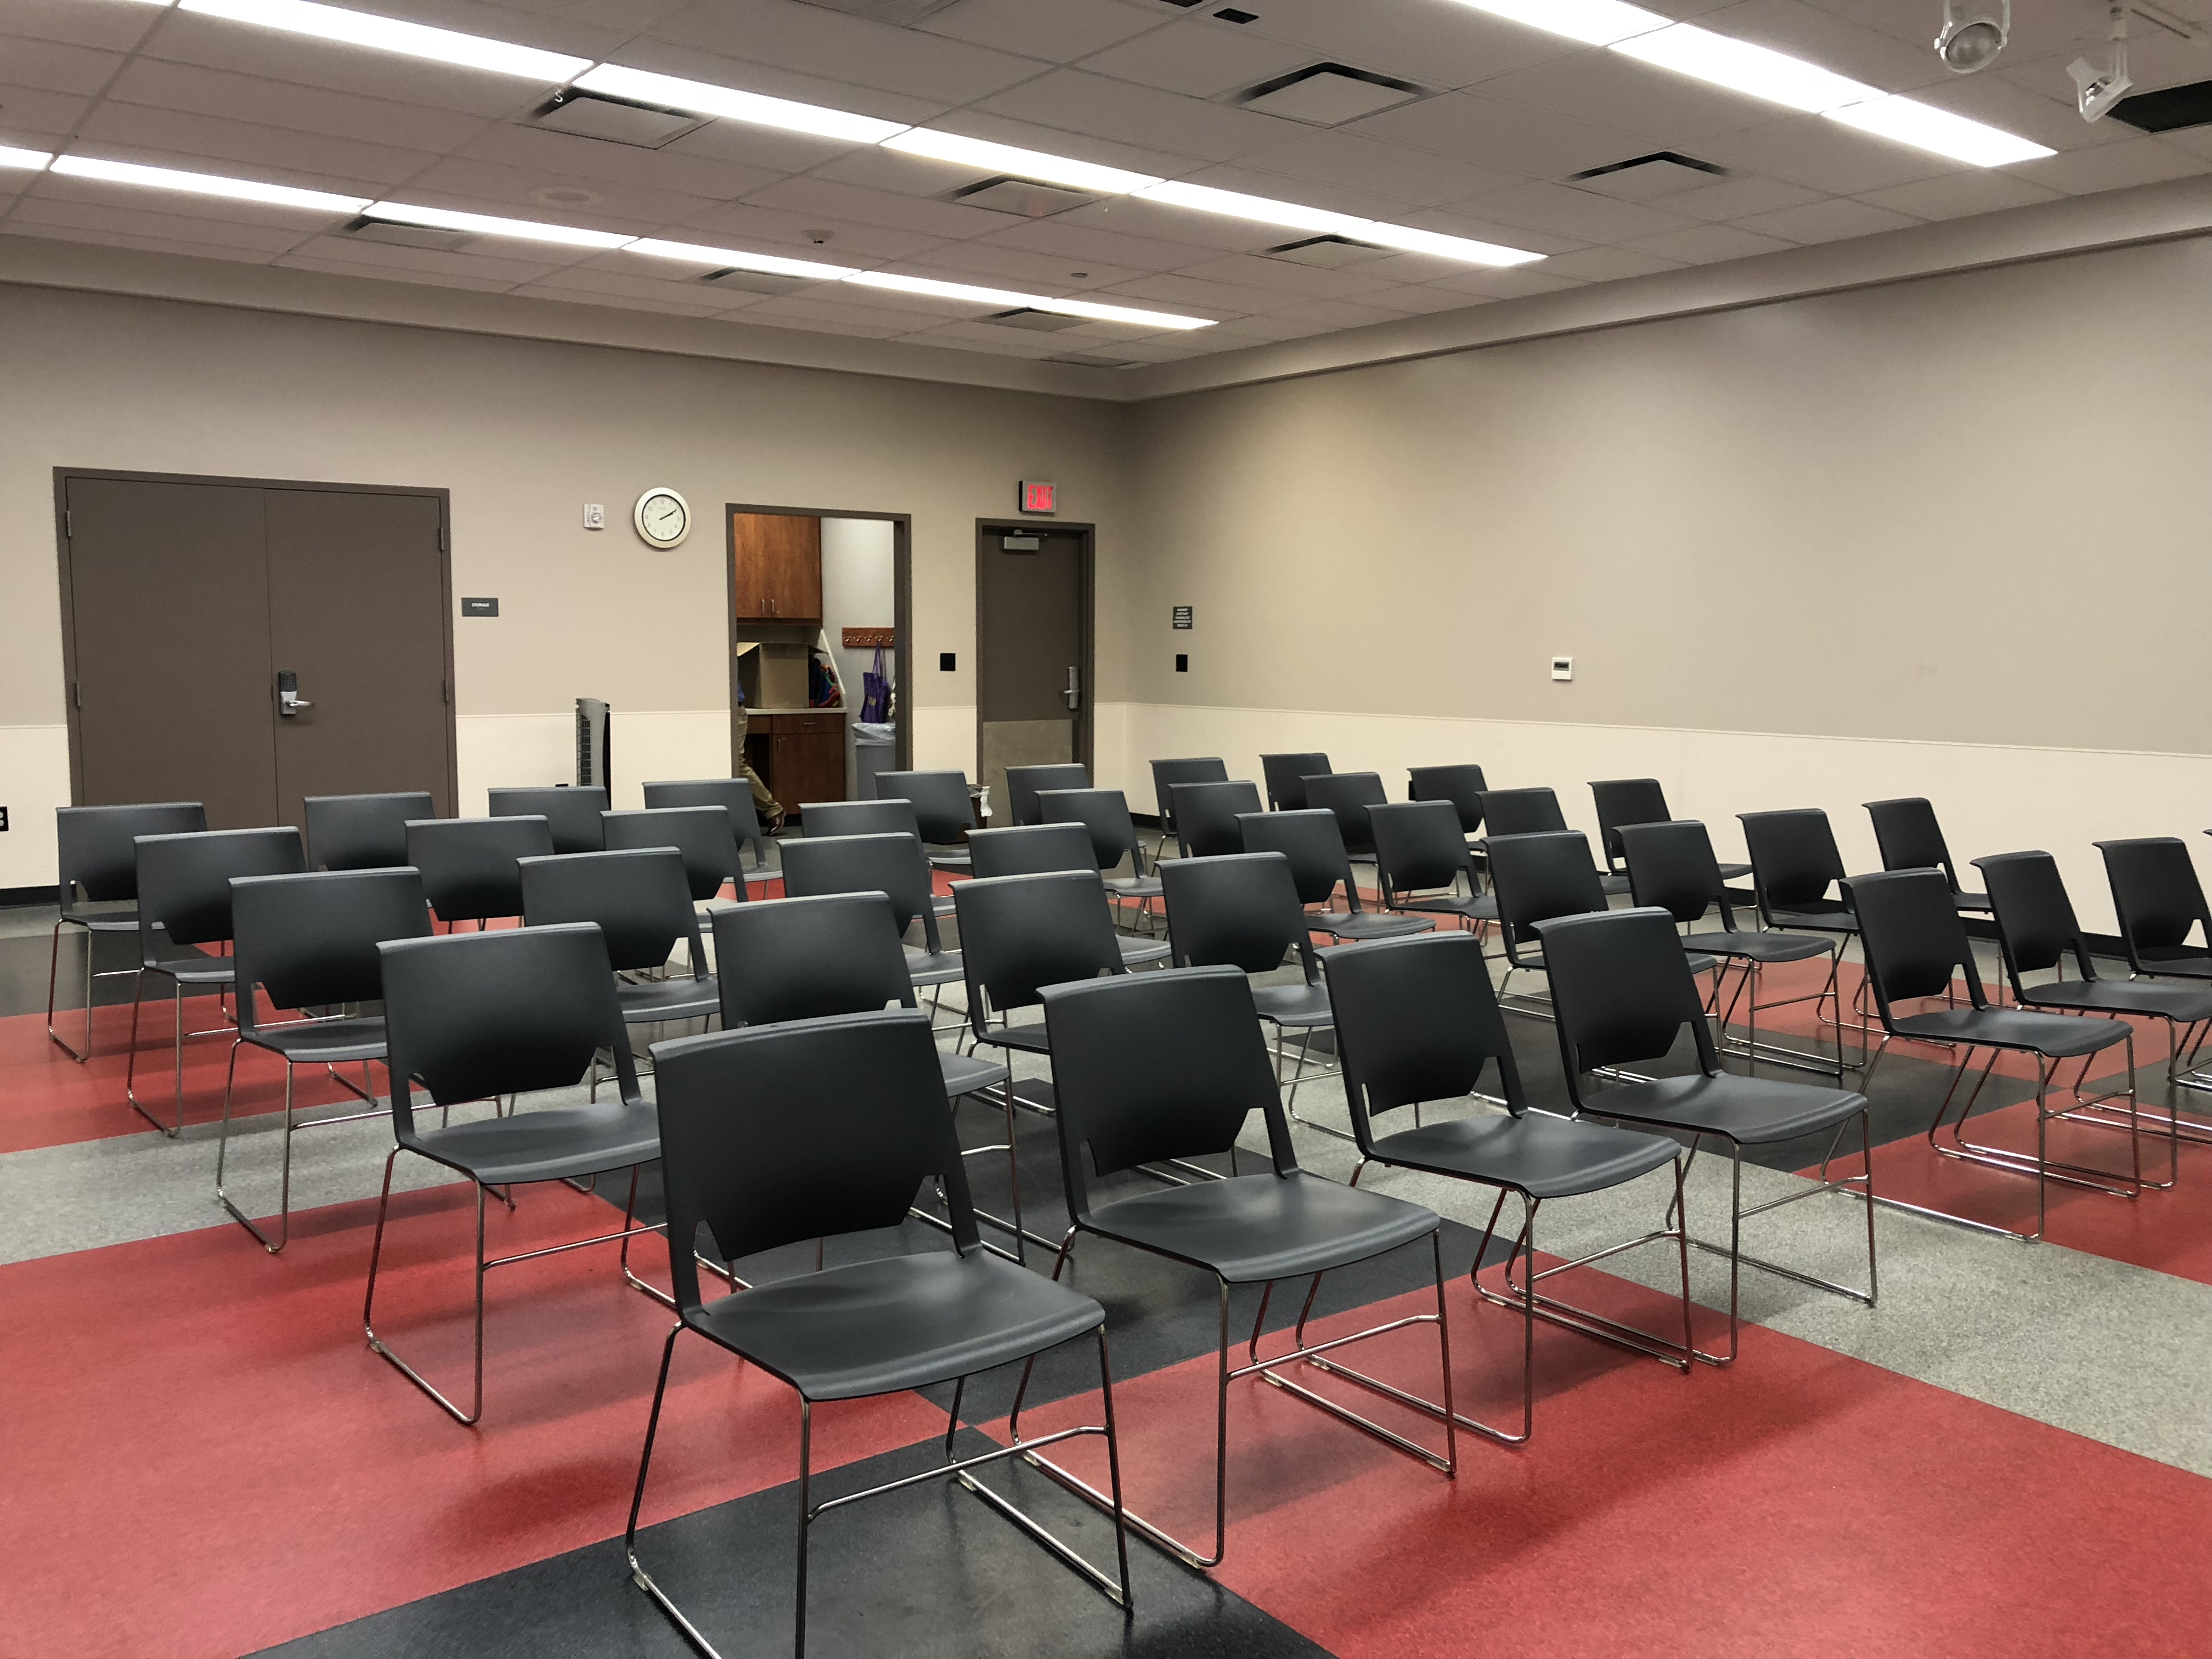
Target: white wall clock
point(663, 518)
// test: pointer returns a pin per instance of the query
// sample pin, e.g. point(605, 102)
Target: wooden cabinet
point(801, 756)
point(775, 567)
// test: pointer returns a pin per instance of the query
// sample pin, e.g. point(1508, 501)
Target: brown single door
point(1032, 672)
point(775, 567)
point(357, 612)
point(168, 590)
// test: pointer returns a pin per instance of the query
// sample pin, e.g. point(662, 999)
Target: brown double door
point(185, 601)
point(1033, 651)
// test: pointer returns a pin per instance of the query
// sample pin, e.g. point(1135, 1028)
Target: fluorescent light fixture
point(693, 253)
point(702, 98)
point(1410, 240)
point(998, 296)
point(205, 183)
point(360, 28)
point(1593, 22)
point(1031, 164)
point(1105, 314)
point(1236, 204)
point(1938, 131)
point(32, 159)
point(528, 230)
point(1738, 65)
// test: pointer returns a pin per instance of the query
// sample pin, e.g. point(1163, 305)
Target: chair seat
point(1834, 918)
point(1734, 871)
point(1298, 1005)
point(932, 967)
point(1611, 886)
point(2185, 1003)
point(321, 1041)
point(1972, 903)
point(900, 1323)
point(2055, 1037)
point(102, 921)
point(1532, 956)
point(1135, 887)
point(552, 1143)
point(1538, 1153)
point(1365, 924)
point(1759, 946)
point(1136, 952)
point(1749, 1110)
point(678, 997)
point(1030, 1039)
point(952, 861)
point(1251, 1228)
point(965, 1073)
point(197, 970)
point(1482, 907)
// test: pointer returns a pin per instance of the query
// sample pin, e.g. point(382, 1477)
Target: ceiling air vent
point(2168, 110)
point(383, 230)
point(754, 281)
point(1021, 197)
point(1044, 322)
point(1660, 173)
point(1329, 253)
point(1327, 95)
point(616, 120)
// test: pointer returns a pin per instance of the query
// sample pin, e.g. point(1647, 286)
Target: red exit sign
point(1039, 497)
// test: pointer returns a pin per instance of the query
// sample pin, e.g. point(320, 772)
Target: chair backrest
point(1538, 877)
point(1313, 845)
point(1167, 774)
point(1241, 909)
point(1023, 783)
point(1030, 850)
point(469, 865)
point(1349, 795)
point(1418, 845)
point(1621, 991)
point(1105, 814)
point(639, 897)
point(1671, 866)
point(1521, 811)
point(469, 1016)
point(1020, 933)
point(1157, 1065)
point(1909, 838)
point(1205, 817)
point(571, 814)
point(703, 835)
point(1286, 777)
point(806, 1130)
point(1623, 801)
point(2036, 923)
point(733, 795)
point(942, 810)
point(1793, 857)
point(825, 818)
point(310, 940)
point(817, 866)
point(1416, 1020)
point(362, 832)
point(1911, 936)
point(183, 880)
point(1461, 785)
point(807, 958)
point(97, 845)
point(2155, 893)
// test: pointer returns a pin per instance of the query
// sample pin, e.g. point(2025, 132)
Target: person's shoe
point(775, 816)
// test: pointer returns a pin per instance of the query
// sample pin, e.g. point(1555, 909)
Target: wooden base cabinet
point(801, 756)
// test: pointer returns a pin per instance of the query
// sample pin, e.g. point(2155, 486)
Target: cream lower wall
point(34, 779)
point(1990, 797)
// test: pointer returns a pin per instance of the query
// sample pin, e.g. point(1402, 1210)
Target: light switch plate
point(1562, 668)
point(595, 515)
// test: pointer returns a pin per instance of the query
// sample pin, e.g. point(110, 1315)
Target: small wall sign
point(480, 607)
point(1036, 497)
point(1182, 616)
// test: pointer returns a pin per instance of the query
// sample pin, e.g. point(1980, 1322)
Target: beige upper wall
point(1972, 507)
point(523, 433)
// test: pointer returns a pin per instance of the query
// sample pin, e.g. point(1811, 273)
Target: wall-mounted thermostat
point(595, 515)
point(1562, 668)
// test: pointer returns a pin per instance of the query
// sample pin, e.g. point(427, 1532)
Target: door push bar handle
point(288, 700)
point(1073, 694)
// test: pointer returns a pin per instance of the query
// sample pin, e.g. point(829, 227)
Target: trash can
point(873, 746)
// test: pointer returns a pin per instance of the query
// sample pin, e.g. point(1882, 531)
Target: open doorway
point(1033, 650)
point(819, 604)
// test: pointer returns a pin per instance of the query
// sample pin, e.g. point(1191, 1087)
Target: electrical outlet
point(595, 515)
point(1562, 668)
point(3, 818)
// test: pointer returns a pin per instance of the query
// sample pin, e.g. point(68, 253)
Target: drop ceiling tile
point(53, 66)
point(1837, 43)
point(1345, 159)
point(826, 84)
point(764, 149)
point(1077, 102)
point(2110, 167)
point(145, 244)
point(1704, 245)
point(1606, 265)
point(1955, 195)
point(2196, 141)
point(1196, 295)
point(1135, 216)
point(2045, 115)
point(1199, 58)
point(561, 155)
point(813, 41)
point(1825, 155)
point(1659, 109)
point(1017, 267)
point(284, 155)
point(1340, 313)
point(27, 114)
point(434, 278)
point(551, 290)
point(1515, 284)
point(493, 268)
point(825, 198)
point(775, 230)
point(1087, 242)
point(214, 42)
point(1058, 30)
point(626, 16)
point(811, 325)
point(1581, 214)
point(116, 28)
point(1052, 140)
point(2034, 28)
point(544, 28)
point(1424, 41)
point(875, 168)
point(1461, 223)
point(1416, 298)
point(1260, 331)
point(895, 318)
point(182, 227)
point(1831, 221)
point(598, 278)
point(990, 337)
point(495, 187)
point(198, 91)
point(1285, 278)
point(1495, 132)
point(1737, 197)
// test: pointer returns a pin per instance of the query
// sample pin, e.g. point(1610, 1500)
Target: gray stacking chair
point(1206, 816)
point(472, 867)
point(641, 903)
point(1311, 840)
point(1166, 775)
point(1421, 855)
point(1038, 848)
point(1286, 777)
point(1023, 783)
point(571, 815)
point(735, 797)
point(1104, 814)
point(98, 875)
point(362, 832)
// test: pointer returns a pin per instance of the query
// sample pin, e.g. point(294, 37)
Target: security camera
point(2096, 90)
point(1974, 32)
